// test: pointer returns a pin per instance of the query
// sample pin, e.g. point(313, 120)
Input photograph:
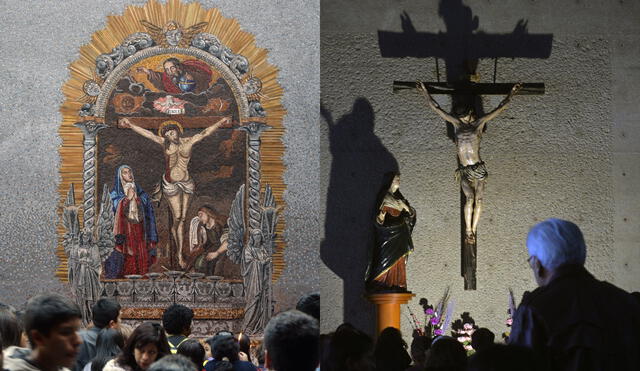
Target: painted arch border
point(230, 34)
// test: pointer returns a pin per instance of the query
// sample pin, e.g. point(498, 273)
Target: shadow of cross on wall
point(461, 47)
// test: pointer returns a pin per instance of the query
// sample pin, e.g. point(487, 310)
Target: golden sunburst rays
point(80, 89)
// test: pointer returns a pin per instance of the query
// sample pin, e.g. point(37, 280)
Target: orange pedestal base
point(389, 308)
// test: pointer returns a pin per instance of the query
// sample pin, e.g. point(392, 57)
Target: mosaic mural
point(171, 168)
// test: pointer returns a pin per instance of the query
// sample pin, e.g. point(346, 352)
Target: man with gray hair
point(573, 321)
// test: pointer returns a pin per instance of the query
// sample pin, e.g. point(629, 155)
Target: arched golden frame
point(230, 34)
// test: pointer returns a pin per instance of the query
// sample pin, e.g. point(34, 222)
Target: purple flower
point(435, 320)
point(429, 311)
point(438, 332)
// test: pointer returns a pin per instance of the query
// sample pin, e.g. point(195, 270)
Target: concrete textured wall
point(571, 153)
point(40, 39)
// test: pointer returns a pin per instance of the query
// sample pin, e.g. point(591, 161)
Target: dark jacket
point(87, 349)
point(579, 323)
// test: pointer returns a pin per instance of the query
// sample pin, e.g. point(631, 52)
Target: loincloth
point(477, 171)
point(173, 188)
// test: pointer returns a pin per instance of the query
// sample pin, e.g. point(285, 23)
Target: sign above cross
point(461, 47)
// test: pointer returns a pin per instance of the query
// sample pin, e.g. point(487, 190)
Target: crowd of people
point(572, 321)
point(48, 336)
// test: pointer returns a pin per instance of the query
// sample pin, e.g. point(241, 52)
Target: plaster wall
point(571, 153)
point(40, 39)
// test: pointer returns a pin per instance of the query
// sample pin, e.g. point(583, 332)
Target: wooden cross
point(462, 47)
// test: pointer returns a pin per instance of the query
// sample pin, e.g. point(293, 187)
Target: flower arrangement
point(436, 319)
point(462, 329)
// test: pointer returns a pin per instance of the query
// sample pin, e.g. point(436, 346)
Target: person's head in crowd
point(177, 320)
point(174, 362)
point(482, 338)
point(193, 350)
point(552, 244)
point(225, 346)
point(244, 344)
point(351, 350)
point(207, 348)
point(310, 304)
point(211, 341)
point(502, 357)
point(52, 323)
point(146, 344)
point(109, 344)
point(291, 342)
point(419, 346)
point(10, 328)
point(391, 350)
point(106, 313)
point(446, 353)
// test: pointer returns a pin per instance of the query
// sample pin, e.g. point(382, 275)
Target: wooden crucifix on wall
point(461, 47)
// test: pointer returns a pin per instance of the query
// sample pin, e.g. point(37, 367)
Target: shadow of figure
point(359, 161)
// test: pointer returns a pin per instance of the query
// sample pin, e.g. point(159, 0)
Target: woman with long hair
point(109, 344)
point(146, 344)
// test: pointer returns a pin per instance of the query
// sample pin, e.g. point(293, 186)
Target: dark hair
point(175, 61)
point(291, 339)
point(104, 311)
point(391, 350)
point(166, 128)
point(108, 345)
point(10, 328)
point(310, 304)
point(482, 338)
point(146, 333)
point(173, 362)
point(225, 346)
point(446, 353)
point(192, 349)
point(177, 319)
point(419, 347)
point(44, 312)
point(244, 344)
point(348, 343)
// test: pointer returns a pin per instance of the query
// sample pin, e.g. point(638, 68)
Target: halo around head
point(167, 123)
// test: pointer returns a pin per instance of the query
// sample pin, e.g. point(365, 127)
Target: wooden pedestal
point(388, 305)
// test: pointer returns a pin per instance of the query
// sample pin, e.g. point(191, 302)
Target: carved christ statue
point(471, 172)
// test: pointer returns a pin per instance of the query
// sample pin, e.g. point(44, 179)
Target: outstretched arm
point(501, 107)
point(435, 106)
point(125, 123)
point(209, 130)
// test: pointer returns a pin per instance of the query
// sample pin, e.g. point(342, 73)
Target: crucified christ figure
point(471, 172)
point(177, 184)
